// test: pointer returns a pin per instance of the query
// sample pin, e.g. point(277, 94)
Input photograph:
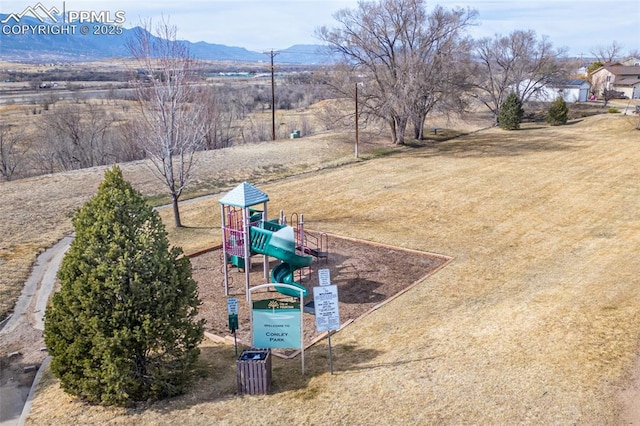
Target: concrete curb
point(4, 321)
point(32, 391)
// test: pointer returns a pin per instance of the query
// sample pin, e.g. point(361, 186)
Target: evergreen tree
point(594, 66)
point(511, 113)
point(122, 328)
point(558, 113)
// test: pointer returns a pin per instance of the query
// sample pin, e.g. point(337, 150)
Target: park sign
point(276, 324)
point(325, 299)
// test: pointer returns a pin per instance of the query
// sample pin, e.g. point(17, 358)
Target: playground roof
point(244, 195)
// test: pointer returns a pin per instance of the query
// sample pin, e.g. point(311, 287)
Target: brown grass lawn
point(536, 321)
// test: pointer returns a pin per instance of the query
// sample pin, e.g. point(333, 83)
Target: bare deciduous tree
point(635, 53)
point(519, 63)
point(13, 149)
point(171, 125)
point(438, 80)
point(219, 132)
point(607, 54)
point(78, 136)
point(400, 51)
point(127, 146)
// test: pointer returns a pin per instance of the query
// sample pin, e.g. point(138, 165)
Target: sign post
point(232, 309)
point(325, 299)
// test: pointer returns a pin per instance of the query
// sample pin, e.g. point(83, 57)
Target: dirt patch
point(366, 275)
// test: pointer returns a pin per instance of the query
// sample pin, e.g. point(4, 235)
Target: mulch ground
point(367, 275)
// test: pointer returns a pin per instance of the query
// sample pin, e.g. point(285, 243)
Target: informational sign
point(276, 324)
point(232, 306)
point(324, 276)
point(325, 300)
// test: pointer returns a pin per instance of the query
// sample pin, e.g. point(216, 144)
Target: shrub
point(122, 328)
point(613, 110)
point(511, 113)
point(558, 113)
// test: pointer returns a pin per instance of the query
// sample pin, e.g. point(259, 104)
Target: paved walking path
point(29, 311)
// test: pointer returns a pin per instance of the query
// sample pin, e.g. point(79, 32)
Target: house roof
point(244, 195)
point(622, 69)
point(628, 81)
point(574, 83)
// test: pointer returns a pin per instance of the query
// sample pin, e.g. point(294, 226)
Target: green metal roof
point(244, 195)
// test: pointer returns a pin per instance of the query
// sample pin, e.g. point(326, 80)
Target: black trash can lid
point(253, 355)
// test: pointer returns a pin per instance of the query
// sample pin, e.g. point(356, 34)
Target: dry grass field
point(536, 320)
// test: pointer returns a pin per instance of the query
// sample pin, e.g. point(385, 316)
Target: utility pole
point(358, 83)
point(272, 54)
point(357, 118)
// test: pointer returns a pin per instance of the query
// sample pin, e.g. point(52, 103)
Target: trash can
point(254, 371)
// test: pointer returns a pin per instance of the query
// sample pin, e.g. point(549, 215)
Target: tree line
point(409, 62)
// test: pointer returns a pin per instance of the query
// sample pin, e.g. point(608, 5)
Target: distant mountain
point(304, 54)
point(51, 45)
point(220, 52)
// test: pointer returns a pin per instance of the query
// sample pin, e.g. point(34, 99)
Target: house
point(619, 77)
point(631, 61)
point(569, 90)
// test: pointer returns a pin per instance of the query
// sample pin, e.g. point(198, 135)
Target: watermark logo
point(54, 21)
point(36, 11)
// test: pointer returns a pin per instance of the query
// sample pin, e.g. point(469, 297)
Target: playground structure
point(247, 232)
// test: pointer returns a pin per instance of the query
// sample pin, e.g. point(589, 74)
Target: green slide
point(281, 245)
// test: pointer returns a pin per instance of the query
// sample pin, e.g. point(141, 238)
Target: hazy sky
point(260, 25)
